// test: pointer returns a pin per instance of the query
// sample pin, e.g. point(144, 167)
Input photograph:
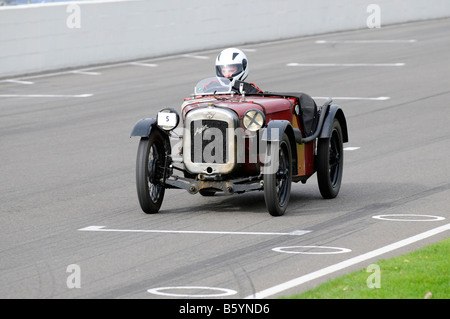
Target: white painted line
point(355, 98)
point(224, 292)
point(346, 64)
point(409, 218)
point(19, 81)
point(151, 65)
point(364, 41)
point(46, 75)
point(102, 228)
point(46, 95)
point(351, 148)
point(191, 56)
point(346, 263)
point(85, 72)
point(310, 250)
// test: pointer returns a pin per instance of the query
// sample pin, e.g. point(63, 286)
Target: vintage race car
point(233, 139)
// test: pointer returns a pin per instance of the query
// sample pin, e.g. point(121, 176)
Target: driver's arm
point(249, 88)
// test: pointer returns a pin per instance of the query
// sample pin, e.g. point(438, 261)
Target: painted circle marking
point(160, 291)
point(409, 218)
point(332, 250)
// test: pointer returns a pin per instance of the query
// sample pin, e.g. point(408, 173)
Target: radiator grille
point(209, 141)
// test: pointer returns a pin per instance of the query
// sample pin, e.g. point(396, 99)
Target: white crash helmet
point(232, 57)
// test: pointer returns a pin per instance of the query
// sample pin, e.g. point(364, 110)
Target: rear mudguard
point(334, 111)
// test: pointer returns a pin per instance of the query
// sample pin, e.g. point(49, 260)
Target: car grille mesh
point(209, 141)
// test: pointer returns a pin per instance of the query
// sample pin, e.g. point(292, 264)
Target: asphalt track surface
point(68, 164)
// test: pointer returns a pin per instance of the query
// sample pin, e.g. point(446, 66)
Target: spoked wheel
point(149, 172)
point(277, 186)
point(330, 162)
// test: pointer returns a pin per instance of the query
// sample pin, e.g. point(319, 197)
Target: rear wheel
point(330, 160)
point(277, 186)
point(149, 172)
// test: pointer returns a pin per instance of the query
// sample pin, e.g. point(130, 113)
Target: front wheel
point(330, 162)
point(277, 186)
point(149, 172)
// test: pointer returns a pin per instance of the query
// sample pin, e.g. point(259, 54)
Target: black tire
point(330, 162)
point(277, 186)
point(149, 172)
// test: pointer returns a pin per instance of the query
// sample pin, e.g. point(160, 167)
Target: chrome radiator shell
point(200, 123)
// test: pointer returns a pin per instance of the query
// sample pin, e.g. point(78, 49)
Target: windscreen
point(213, 85)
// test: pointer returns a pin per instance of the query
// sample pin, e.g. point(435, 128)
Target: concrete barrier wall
point(52, 36)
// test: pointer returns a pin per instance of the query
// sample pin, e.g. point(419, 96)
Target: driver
point(232, 63)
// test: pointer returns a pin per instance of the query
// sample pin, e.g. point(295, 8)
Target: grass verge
point(424, 273)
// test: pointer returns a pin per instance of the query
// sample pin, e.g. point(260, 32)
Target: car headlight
point(253, 120)
point(168, 119)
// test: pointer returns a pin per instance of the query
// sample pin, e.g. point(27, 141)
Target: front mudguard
point(274, 133)
point(334, 111)
point(275, 129)
point(144, 127)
